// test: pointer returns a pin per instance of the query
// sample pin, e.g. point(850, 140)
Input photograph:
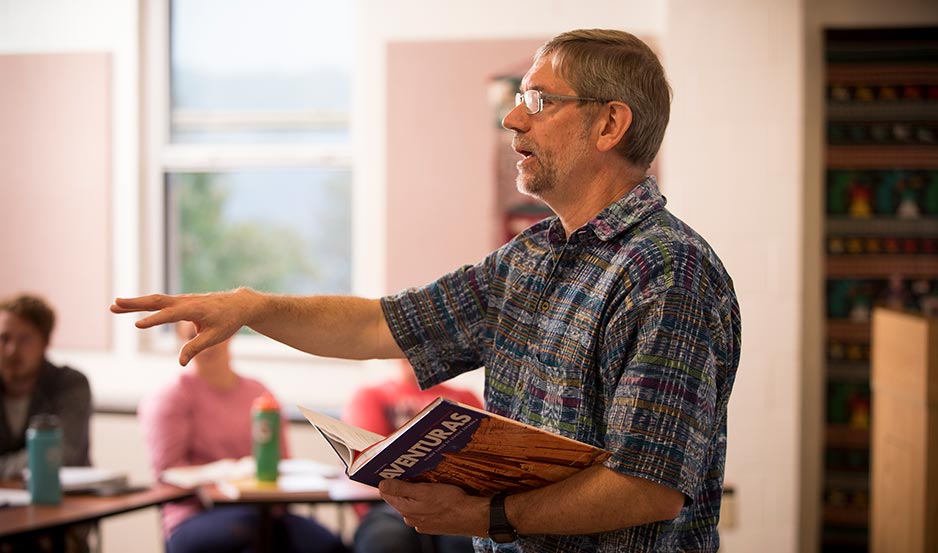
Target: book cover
point(452, 443)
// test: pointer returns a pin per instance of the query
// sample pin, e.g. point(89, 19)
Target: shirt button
point(545, 305)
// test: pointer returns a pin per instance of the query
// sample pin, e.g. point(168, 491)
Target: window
point(249, 146)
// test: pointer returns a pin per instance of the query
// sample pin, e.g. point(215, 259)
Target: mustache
point(521, 145)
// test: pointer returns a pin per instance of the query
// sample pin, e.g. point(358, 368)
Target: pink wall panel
point(441, 153)
point(55, 178)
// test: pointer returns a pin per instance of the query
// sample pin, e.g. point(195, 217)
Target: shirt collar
point(629, 210)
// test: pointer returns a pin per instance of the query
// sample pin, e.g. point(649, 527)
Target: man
point(30, 385)
point(613, 323)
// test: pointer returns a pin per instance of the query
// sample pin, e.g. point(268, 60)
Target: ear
point(616, 118)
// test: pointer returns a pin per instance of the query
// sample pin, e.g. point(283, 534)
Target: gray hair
point(615, 65)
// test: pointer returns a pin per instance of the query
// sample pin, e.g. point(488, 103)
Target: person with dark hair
point(613, 323)
point(31, 385)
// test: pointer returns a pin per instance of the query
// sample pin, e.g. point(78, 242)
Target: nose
point(516, 119)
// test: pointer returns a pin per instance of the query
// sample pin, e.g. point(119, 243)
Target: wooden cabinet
point(880, 239)
point(904, 478)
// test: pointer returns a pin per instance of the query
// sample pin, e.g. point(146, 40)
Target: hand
point(437, 508)
point(217, 316)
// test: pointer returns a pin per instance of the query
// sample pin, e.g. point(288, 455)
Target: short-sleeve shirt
point(625, 335)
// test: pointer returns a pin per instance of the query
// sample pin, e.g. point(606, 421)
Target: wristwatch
point(500, 530)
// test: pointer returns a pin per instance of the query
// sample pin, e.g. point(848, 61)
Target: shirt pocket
point(558, 386)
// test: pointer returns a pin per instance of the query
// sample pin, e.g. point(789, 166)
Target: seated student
point(31, 385)
point(204, 416)
point(383, 408)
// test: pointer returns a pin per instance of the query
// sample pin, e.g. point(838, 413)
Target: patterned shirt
point(625, 336)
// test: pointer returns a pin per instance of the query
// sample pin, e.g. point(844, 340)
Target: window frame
point(159, 157)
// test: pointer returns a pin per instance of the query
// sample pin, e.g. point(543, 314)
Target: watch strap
point(500, 530)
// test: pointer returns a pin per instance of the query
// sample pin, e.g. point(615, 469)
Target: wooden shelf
point(882, 266)
point(924, 227)
point(870, 74)
point(850, 481)
point(848, 371)
point(846, 516)
point(841, 435)
point(899, 110)
point(843, 329)
point(882, 157)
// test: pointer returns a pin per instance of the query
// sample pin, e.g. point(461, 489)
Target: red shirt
point(384, 407)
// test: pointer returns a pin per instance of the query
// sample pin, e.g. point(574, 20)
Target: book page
point(354, 438)
point(83, 479)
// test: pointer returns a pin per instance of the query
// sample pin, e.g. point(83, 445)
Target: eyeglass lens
point(531, 100)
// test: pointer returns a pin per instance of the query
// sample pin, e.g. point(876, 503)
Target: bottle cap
point(265, 402)
point(44, 421)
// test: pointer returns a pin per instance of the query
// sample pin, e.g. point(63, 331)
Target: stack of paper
point(293, 472)
point(209, 473)
point(10, 497)
point(86, 479)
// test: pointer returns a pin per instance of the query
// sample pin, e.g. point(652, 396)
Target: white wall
point(732, 169)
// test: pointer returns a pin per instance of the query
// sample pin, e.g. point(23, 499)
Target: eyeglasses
point(533, 100)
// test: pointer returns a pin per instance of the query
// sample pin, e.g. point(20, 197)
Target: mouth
point(522, 150)
point(526, 155)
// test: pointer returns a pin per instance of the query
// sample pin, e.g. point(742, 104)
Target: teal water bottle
point(44, 456)
point(265, 430)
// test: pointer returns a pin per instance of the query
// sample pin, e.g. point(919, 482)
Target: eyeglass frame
point(541, 96)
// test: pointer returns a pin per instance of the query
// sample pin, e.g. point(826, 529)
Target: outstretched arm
point(331, 326)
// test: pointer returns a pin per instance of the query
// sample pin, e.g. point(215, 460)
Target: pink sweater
point(189, 423)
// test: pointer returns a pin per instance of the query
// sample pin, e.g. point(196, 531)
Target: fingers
point(201, 341)
point(429, 508)
point(160, 317)
point(168, 309)
point(399, 489)
point(151, 302)
point(212, 314)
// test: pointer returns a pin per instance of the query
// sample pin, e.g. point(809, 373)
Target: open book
point(452, 443)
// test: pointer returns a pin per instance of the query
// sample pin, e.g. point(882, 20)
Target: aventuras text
point(425, 445)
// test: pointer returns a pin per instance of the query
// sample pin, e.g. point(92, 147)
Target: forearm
point(331, 326)
point(594, 500)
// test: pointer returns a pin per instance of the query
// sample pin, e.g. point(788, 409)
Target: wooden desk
point(339, 491)
point(18, 521)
